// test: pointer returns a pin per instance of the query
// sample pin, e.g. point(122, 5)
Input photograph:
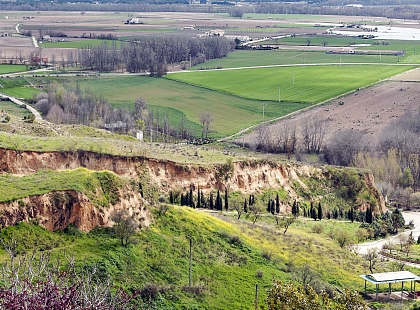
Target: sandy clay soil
point(368, 110)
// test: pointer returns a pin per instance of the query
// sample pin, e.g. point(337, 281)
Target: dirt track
point(368, 110)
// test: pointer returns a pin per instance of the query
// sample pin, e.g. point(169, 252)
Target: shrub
point(318, 228)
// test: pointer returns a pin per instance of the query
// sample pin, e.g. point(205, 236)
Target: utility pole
point(190, 281)
point(256, 296)
point(263, 105)
point(279, 93)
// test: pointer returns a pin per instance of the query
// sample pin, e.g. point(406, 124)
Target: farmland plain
point(179, 100)
point(244, 58)
point(306, 84)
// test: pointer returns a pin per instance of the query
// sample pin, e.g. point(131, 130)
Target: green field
point(312, 84)
point(231, 113)
point(78, 44)
point(250, 58)
point(12, 109)
point(4, 69)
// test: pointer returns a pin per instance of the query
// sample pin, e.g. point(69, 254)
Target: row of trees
point(394, 158)
point(63, 104)
point(288, 138)
point(152, 54)
point(384, 8)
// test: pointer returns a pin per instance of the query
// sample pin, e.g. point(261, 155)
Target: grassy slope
point(226, 257)
point(311, 83)
point(13, 109)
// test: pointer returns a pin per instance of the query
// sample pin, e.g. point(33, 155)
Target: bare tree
point(206, 120)
point(237, 204)
point(313, 133)
point(125, 225)
point(256, 211)
point(343, 146)
point(372, 257)
point(264, 138)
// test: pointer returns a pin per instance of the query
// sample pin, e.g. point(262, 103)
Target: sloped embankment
point(301, 182)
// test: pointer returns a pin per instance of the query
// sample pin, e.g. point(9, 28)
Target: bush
point(259, 274)
point(318, 228)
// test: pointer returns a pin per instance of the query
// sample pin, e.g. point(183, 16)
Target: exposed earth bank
point(252, 176)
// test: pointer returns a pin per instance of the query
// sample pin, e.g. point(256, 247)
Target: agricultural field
point(4, 69)
point(250, 58)
point(290, 84)
point(78, 43)
point(179, 100)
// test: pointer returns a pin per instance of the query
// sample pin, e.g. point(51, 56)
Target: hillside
point(60, 199)
point(229, 258)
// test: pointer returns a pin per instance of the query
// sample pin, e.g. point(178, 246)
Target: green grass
point(263, 84)
point(82, 180)
point(21, 92)
point(4, 69)
point(100, 141)
point(12, 109)
point(227, 254)
point(230, 113)
point(239, 59)
point(78, 44)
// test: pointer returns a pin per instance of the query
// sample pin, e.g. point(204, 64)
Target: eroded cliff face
point(56, 210)
point(245, 177)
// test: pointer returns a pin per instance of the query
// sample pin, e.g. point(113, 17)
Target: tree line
point(380, 8)
point(152, 54)
point(64, 104)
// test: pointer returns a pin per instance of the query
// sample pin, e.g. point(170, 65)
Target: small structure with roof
point(392, 277)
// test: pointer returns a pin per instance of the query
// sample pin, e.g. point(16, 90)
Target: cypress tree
point(277, 203)
point(191, 198)
point(245, 206)
point(218, 201)
point(320, 211)
point(211, 205)
point(198, 198)
point(268, 206)
point(226, 200)
point(369, 215)
point(250, 200)
point(351, 214)
point(171, 198)
point(304, 212)
point(273, 207)
point(182, 199)
point(314, 214)
point(203, 200)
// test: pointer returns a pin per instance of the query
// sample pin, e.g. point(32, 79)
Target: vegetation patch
point(45, 181)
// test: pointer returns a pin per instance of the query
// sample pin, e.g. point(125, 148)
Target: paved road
point(408, 216)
